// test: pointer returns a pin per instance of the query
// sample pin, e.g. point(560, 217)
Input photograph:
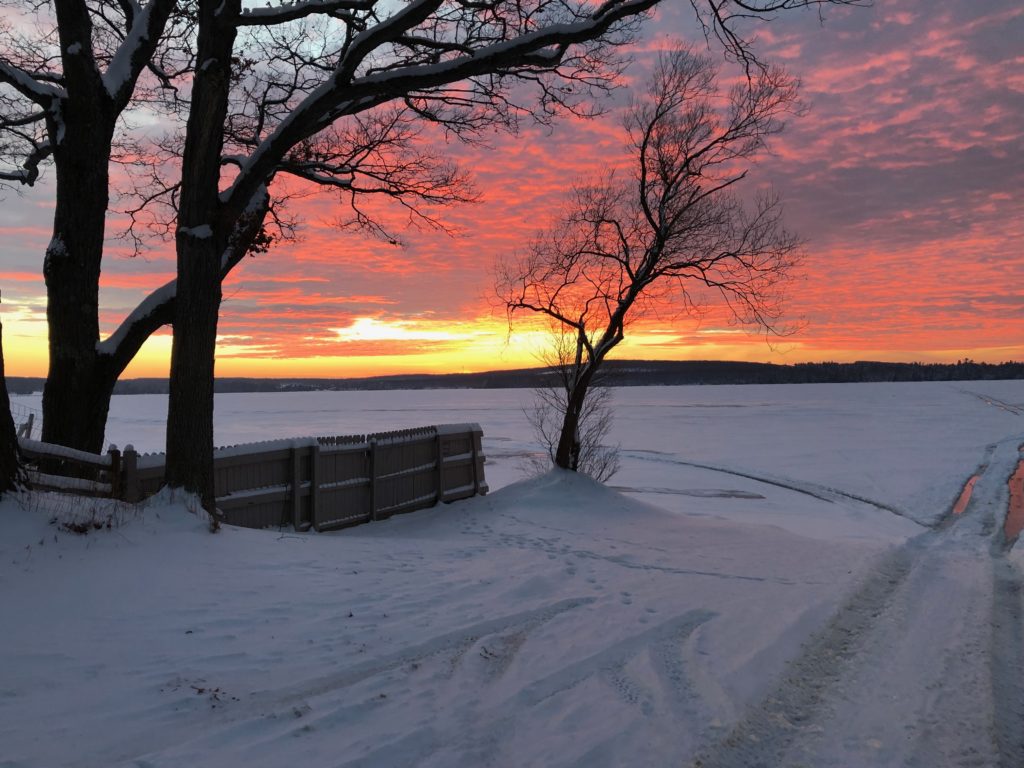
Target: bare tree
point(69, 70)
point(675, 228)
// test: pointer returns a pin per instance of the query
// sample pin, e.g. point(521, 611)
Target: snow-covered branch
point(41, 92)
point(523, 48)
point(299, 10)
point(157, 309)
point(136, 51)
point(154, 311)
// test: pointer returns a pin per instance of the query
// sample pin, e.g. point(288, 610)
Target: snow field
point(802, 597)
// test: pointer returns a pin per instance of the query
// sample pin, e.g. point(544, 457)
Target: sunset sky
point(905, 177)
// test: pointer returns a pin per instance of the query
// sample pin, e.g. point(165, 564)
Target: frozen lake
point(907, 447)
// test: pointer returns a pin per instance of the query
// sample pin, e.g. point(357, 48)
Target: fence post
point(472, 459)
point(129, 465)
point(373, 478)
point(440, 465)
point(26, 428)
point(115, 472)
point(296, 458)
point(314, 485)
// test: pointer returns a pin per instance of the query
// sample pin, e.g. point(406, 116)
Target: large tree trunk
point(202, 238)
point(77, 393)
point(76, 401)
point(190, 406)
point(10, 464)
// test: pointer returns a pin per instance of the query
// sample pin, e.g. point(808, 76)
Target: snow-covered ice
point(775, 577)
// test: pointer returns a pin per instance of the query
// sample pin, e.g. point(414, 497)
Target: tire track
point(1007, 653)
point(459, 639)
point(525, 541)
point(275, 709)
point(767, 731)
point(481, 731)
point(863, 638)
point(1016, 410)
point(962, 502)
point(820, 492)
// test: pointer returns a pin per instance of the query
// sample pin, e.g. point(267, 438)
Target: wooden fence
point(57, 468)
point(322, 483)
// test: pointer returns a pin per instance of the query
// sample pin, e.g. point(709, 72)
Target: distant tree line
point(620, 373)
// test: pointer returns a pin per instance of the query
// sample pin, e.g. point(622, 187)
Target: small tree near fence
point(592, 454)
point(676, 228)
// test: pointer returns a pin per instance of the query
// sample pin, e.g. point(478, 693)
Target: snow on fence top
point(454, 429)
point(36, 448)
point(264, 446)
point(394, 437)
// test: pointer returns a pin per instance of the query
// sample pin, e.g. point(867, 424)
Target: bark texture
point(202, 239)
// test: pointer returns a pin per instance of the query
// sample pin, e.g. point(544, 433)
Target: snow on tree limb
point(151, 306)
point(135, 52)
point(299, 10)
point(29, 171)
point(40, 92)
point(157, 309)
point(346, 93)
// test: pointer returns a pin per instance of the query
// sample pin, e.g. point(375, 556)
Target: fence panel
point(344, 482)
point(406, 472)
point(324, 483)
point(147, 478)
point(462, 461)
point(66, 470)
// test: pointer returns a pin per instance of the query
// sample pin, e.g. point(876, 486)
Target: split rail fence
point(322, 483)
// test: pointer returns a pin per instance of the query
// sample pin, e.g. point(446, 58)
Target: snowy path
point(920, 666)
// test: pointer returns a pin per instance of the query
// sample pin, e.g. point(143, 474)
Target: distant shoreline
point(616, 373)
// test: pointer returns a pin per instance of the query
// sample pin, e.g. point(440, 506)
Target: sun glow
point(372, 329)
point(369, 346)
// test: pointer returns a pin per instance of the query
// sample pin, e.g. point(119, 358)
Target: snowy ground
point(775, 578)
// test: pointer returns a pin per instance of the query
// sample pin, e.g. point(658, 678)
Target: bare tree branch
point(39, 91)
point(299, 10)
point(623, 244)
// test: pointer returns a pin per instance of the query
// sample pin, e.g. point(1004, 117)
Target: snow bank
point(555, 608)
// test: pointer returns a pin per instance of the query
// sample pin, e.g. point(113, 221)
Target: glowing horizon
point(486, 345)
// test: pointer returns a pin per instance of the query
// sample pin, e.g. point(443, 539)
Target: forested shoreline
point(620, 373)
